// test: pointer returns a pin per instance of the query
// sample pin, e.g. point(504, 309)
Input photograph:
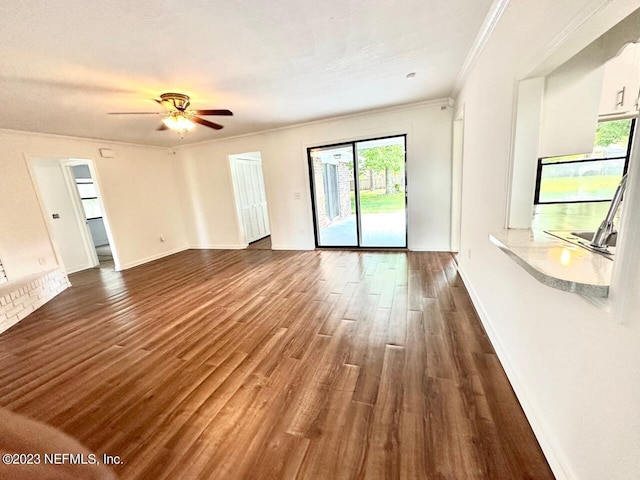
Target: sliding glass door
point(359, 194)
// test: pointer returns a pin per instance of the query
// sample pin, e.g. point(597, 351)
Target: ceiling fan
point(178, 117)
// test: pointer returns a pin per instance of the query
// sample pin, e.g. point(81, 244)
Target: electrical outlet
point(296, 196)
point(469, 254)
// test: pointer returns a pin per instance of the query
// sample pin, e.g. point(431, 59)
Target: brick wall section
point(344, 179)
point(3, 276)
point(19, 299)
point(318, 181)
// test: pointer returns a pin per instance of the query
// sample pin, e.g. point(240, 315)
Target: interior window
point(89, 198)
point(591, 177)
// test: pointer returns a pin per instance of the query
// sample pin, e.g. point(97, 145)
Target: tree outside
point(613, 133)
point(388, 159)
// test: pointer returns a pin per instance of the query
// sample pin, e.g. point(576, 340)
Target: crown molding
point(101, 141)
point(439, 102)
point(492, 18)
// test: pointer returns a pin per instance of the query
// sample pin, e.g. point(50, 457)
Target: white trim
point(425, 249)
point(457, 164)
point(152, 258)
point(232, 172)
point(211, 246)
point(557, 461)
point(439, 102)
point(492, 18)
point(81, 268)
point(292, 248)
point(617, 116)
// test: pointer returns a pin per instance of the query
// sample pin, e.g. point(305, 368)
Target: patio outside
point(383, 222)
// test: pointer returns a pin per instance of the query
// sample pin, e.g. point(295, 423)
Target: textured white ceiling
point(64, 65)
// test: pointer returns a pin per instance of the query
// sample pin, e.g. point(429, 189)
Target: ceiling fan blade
point(135, 113)
point(214, 112)
point(206, 123)
point(162, 127)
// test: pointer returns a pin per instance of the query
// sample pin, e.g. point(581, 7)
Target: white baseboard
point(78, 268)
point(218, 247)
point(291, 247)
point(152, 258)
point(424, 249)
point(557, 462)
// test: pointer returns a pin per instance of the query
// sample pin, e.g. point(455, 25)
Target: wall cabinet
point(621, 83)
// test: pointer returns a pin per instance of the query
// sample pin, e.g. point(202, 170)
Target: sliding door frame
point(356, 178)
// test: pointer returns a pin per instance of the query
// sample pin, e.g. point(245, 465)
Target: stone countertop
point(556, 263)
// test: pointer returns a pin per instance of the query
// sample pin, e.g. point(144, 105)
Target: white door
point(66, 227)
point(252, 200)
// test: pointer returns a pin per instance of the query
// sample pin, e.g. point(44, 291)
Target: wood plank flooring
point(262, 364)
point(262, 244)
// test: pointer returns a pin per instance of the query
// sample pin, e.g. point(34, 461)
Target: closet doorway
point(251, 199)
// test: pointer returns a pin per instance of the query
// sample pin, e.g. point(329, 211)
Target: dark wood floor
point(262, 364)
point(262, 244)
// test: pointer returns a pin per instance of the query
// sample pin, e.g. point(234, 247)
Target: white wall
point(573, 365)
point(525, 152)
point(57, 199)
point(138, 189)
point(571, 107)
point(208, 199)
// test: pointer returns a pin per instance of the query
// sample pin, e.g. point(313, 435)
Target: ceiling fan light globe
point(178, 122)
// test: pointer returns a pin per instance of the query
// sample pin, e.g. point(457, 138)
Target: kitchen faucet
point(606, 228)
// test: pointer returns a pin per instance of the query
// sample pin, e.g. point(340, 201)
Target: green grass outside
point(377, 202)
point(596, 187)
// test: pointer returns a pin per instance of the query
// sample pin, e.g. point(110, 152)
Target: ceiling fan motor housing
point(177, 100)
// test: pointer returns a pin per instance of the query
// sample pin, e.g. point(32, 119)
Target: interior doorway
point(93, 212)
point(70, 200)
point(359, 194)
point(251, 199)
